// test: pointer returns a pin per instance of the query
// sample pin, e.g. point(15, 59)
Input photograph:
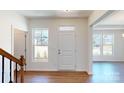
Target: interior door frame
point(12, 42)
point(24, 41)
point(91, 28)
point(58, 32)
point(12, 46)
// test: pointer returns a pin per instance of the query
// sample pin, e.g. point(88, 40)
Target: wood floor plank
point(103, 72)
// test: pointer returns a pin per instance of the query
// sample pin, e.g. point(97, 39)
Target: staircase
point(19, 63)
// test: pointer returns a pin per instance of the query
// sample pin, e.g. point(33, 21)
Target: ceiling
point(55, 13)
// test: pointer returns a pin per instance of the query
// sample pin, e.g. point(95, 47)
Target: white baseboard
point(109, 61)
point(41, 70)
point(80, 70)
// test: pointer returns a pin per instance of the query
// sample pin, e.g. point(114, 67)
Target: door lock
point(59, 51)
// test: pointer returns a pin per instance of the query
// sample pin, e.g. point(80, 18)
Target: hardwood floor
point(108, 72)
point(104, 72)
point(55, 77)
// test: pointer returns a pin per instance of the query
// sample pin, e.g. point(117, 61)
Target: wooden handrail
point(9, 56)
point(22, 68)
point(21, 62)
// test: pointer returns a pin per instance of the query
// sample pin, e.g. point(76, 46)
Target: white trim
point(109, 27)
point(90, 63)
point(32, 45)
point(31, 69)
point(110, 60)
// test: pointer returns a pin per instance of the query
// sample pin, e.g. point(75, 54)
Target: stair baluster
point(2, 69)
point(10, 71)
point(16, 73)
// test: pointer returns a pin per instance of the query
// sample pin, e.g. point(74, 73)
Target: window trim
point(33, 45)
point(101, 44)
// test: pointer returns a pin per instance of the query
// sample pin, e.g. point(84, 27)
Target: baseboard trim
point(41, 70)
point(31, 71)
point(111, 61)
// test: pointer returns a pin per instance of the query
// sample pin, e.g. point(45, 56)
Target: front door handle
point(59, 51)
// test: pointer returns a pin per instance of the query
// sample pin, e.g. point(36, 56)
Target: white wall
point(81, 43)
point(8, 18)
point(118, 50)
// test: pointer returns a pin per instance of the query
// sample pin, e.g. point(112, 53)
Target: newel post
point(22, 68)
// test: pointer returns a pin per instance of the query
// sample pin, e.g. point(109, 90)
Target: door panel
point(19, 43)
point(66, 51)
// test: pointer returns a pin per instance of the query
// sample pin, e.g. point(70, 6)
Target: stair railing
point(19, 62)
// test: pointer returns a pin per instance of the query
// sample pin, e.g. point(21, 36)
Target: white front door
point(66, 50)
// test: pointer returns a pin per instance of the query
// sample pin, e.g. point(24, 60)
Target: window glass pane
point(45, 34)
point(44, 41)
point(37, 37)
point(37, 41)
point(44, 38)
point(96, 44)
point(40, 43)
point(66, 28)
point(41, 52)
point(107, 49)
point(37, 33)
point(40, 37)
point(107, 44)
point(107, 39)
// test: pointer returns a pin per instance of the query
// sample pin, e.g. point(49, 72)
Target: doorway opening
point(106, 49)
point(19, 44)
